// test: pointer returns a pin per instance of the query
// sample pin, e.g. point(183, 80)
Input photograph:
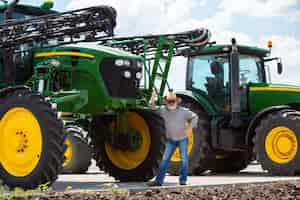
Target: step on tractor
point(95, 87)
point(32, 132)
point(242, 114)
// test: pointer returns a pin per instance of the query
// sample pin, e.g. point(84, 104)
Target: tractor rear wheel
point(197, 145)
point(31, 140)
point(78, 155)
point(277, 142)
point(141, 164)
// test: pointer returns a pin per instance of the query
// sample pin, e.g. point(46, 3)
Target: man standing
point(176, 118)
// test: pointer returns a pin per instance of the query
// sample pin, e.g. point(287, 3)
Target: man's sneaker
point(183, 183)
point(153, 184)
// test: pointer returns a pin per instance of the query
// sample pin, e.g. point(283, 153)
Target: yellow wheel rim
point(21, 142)
point(281, 145)
point(68, 152)
point(176, 155)
point(127, 160)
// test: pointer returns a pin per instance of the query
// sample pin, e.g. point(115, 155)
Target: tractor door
point(208, 76)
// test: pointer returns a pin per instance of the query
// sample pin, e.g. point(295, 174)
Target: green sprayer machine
point(33, 135)
point(51, 62)
point(243, 116)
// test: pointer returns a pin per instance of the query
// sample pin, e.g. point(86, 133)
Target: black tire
point(149, 167)
point(52, 154)
point(232, 162)
point(197, 154)
point(285, 118)
point(81, 152)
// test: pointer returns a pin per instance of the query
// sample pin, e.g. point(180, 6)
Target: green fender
point(205, 103)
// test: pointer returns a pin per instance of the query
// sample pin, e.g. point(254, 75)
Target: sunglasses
point(171, 102)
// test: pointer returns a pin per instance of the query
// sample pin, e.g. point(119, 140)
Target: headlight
point(127, 74)
point(127, 63)
point(119, 62)
point(140, 64)
point(55, 63)
point(139, 75)
point(122, 62)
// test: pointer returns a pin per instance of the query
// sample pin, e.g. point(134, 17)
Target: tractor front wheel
point(277, 142)
point(138, 164)
point(31, 140)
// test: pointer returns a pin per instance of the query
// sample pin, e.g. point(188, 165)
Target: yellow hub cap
point(127, 160)
point(21, 142)
point(176, 155)
point(68, 152)
point(281, 145)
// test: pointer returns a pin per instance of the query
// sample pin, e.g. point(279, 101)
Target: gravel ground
point(276, 191)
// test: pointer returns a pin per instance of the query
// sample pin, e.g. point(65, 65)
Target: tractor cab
point(208, 73)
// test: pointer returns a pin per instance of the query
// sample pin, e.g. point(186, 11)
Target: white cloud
point(261, 8)
point(165, 16)
point(140, 17)
point(137, 17)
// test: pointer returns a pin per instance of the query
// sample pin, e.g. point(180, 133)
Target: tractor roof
point(31, 10)
point(217, 49)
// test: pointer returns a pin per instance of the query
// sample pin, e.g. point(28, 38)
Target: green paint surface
point(258, 100)
point(92, 96)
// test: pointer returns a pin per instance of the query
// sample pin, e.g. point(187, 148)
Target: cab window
point(250, 70)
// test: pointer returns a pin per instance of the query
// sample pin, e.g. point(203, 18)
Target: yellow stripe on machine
point(279, 89)
point(64, 53)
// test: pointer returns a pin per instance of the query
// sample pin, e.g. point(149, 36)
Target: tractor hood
point(265, 95)
point(103, 49)
point(85, 50)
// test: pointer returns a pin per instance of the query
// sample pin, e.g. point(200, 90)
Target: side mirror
point(279, 67)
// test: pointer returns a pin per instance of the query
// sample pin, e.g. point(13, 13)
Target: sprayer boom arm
point(89, 24)
point(149, 44)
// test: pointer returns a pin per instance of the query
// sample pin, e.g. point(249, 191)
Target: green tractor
point(241, 113)
point(32, 132)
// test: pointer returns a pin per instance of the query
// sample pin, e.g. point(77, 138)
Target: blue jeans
point(170, 148)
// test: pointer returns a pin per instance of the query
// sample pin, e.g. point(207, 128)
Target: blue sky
point(252, 22)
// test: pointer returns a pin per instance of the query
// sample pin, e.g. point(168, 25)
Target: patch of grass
point(19, 193)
